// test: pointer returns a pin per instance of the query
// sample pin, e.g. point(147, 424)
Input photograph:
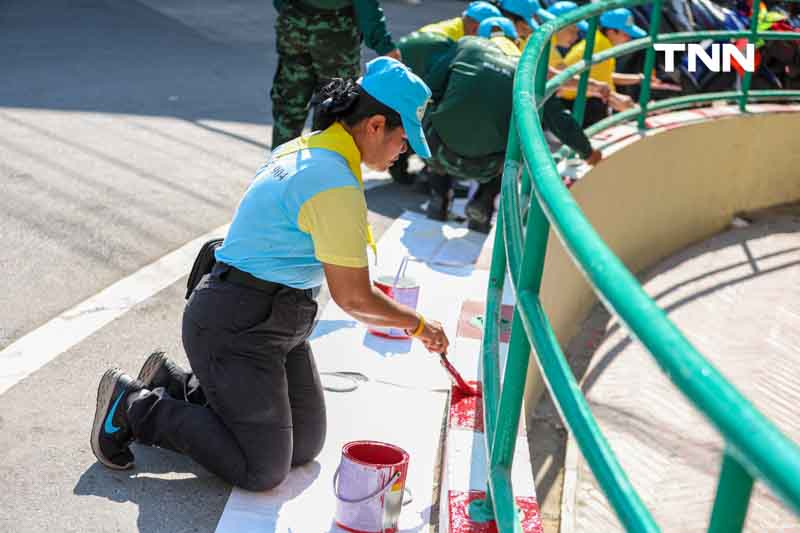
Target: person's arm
point(627, 79)
point(336, 220)
point(620, 102)
point(372, 25)
point(353, 291)
point(564, 127)
point(595, 88)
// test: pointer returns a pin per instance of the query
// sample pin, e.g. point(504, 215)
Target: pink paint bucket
point(402, 290)
point(369, 485)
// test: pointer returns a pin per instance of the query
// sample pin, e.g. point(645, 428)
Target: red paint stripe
point(466, 412)
point(460, 521)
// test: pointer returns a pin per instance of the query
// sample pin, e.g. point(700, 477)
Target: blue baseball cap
point(486, 27)
point(565, 6)
point(543, 14)
point(523, 8)
point(622, 19)
point(480, 11)
point(391, 83)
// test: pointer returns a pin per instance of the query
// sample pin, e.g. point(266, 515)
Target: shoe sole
point(151, 367)
point(105, 394)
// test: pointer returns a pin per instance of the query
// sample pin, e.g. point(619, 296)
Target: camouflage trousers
point(313, 47)
point(444, 161)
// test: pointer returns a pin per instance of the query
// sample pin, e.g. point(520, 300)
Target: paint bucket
point(369, 485)
point(402, 289)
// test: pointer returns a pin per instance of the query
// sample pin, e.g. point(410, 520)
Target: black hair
point(513, 16)
point(348, 102)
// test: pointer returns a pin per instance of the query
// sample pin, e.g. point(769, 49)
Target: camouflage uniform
point(315, 45)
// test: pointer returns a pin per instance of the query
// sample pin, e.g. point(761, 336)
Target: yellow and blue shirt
point(305, 207)
point(601, 71)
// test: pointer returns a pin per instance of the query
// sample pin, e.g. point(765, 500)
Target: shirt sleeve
point(372, 25)
point(336, 219)
point(564, 127)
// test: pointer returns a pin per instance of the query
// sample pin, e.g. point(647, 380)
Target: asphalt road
point(127, 129)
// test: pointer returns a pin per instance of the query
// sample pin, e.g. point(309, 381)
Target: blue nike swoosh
point(109, 426)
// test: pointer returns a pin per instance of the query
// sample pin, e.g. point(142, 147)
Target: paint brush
point(460, 383)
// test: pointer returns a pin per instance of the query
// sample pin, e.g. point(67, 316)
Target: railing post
point(515, 377)
point(751, 39)
point(541, 76)
point(579, 105)
point(483, 510)
point(733, 496)
point(649, 63)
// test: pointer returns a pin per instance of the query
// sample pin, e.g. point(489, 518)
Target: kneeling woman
point(253, 405)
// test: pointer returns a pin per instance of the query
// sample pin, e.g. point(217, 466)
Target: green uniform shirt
point(473, 87)
point(421, 50)
point(369, 16)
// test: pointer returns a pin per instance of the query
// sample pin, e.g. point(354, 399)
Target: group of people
point(252, 405)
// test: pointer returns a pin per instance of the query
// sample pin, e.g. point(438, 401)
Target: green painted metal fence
point(754, 448)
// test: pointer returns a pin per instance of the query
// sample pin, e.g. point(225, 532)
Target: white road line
point(44, 344)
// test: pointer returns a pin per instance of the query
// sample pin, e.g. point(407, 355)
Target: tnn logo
point(718, 61)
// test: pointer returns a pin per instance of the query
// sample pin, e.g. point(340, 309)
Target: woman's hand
point(595, 157)
point(433, 337)
point(620, 102)
point(600, 89)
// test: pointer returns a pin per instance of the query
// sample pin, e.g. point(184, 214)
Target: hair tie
point(338, 96)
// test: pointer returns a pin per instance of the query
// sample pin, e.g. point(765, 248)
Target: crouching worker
point(468, 125)
point(252, 406)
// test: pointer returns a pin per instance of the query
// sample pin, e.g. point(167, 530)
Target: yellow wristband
point(420, 327)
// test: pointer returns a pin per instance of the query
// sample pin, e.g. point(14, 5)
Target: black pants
point(265, 408)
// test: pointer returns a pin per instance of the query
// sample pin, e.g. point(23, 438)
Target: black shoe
point(480, 227)
point(402, 176)
point(157, 371)
point(111, 432)
point(439, 206)
point(479, 216)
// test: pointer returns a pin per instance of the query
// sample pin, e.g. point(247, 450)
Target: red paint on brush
point(460, 521)
point(465, 388)
point(466, 410)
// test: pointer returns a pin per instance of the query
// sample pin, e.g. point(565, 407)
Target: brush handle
point(459, 381)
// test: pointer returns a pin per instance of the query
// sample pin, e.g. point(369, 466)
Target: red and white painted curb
point(465, 474)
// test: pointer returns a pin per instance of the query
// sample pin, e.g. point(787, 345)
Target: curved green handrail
point(534, 198)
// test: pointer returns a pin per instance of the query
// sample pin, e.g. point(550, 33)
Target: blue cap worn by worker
point(543, 14)
point(621, 19)
point(565, 6)
point(391, 83)
point(506, 26)
point(480, 11)
point(527, 9)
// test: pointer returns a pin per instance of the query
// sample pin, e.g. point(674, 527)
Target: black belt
point(306, 9)
point(232, 274)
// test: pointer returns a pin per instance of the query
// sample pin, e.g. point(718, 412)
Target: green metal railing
point(754, 448)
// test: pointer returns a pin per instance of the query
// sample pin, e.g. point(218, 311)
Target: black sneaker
point(111, 433)
point(156, 371)
point(401, 175)
point(439, 206)
point(479, 216)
